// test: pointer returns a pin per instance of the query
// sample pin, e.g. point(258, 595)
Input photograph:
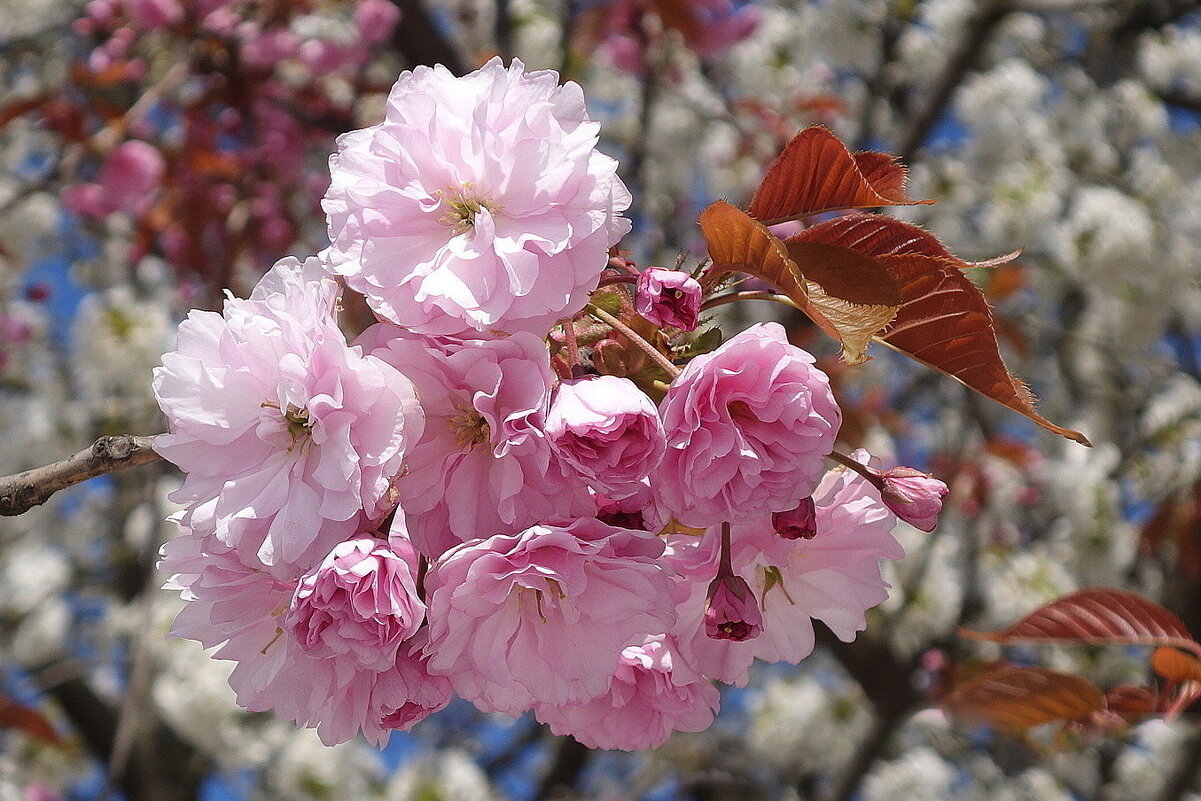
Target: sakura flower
point(668, 297)
point(833, 577)
point(483, 465)
point(653, 693)
point(361, 601)
point(913, 496)
point(240, 608)
point(479, 204)
point(542, 616)
point(608, 431)
point(286, 435)
point(748, 427)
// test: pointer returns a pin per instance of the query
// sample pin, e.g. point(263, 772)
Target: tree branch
point(418, 39)
point(965, 58)
point(21, 492)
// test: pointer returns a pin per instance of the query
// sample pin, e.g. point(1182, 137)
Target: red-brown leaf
point(817, 173)
point(1097, 615)
point(944, 322)
point(1130, 702)
point(1175, 665)
point(30, 721)
point(1015, 697)
point(880, 235)
point(739, 244)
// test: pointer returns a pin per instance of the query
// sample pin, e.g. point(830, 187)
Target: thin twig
point(21, 492)
point(721, 300)
point(647, 348)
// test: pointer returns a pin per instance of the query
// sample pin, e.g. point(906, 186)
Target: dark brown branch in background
point(886, 681)
point(570, 759)
point(21, 492)
point(420, 42)
point(963, 60)
point(503, 29)
point(162, 767)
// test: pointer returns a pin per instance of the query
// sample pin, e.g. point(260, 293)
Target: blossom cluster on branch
point(507, 487)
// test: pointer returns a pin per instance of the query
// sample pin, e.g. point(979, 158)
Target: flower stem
point(721, 300)
point(647, 348)
point(861, 469)
point(725, 567)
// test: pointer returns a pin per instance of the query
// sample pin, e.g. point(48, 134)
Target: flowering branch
point(649, 349)
point(21, 492)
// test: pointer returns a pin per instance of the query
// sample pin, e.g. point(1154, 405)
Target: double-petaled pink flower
point(361, 602)
point(483, 465)
point(242, 610)
point(653, 693)
point(287, 436)
point(479, 204)
point(668, 298)
point(541, 617)
point(748, 428)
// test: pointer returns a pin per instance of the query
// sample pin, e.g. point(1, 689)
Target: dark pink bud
point(913, 496)
point(733, 611)
point(668, 298)
point(797, 524)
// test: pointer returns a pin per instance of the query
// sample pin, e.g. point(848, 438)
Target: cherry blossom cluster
point(530, 482)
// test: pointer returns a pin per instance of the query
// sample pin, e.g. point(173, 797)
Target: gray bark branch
point(21, 492)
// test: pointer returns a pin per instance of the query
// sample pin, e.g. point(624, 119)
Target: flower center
point(463, 205)
point(470, 428)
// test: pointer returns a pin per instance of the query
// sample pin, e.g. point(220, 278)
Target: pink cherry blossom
point(668, 298)
point(653, 693)
point(608, 431)
point(913, 496)
point(286, 435)
point(479, 204)
point(152, 14)
point(748, 427)
point(361, 601)
point(542, 616)
point(483, 465)
point(833, 577)
point(239, 609)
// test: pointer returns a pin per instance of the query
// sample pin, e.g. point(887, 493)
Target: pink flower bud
point(797, 524)
point(668, 297)
point(913, 496)
point(733, 611)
